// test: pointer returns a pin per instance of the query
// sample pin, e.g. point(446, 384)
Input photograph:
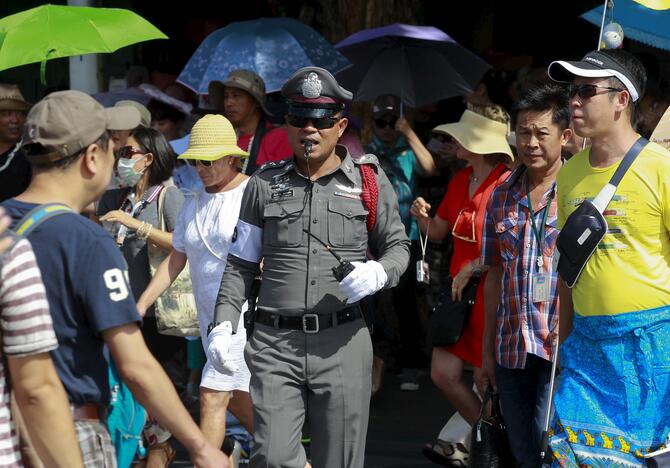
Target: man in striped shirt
point(27, 336)
point(521, 300)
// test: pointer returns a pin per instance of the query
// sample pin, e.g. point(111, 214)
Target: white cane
point(547, 421)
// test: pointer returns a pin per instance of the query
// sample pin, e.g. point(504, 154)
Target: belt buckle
point(305, 323)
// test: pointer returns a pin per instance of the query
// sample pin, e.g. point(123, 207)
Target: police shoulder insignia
point(366, 159)
point(273, 164)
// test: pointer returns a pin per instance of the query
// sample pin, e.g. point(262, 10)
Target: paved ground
point(400, 424)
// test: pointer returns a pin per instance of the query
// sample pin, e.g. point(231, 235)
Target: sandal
point(162, 451)
point(447, 454)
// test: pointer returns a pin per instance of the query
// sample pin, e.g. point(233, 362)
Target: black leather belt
point(308, 323)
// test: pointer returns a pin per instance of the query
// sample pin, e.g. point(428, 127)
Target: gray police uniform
point(329, 371)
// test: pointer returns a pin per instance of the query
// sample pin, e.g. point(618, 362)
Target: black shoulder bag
point(586, 226)
point(449, 318)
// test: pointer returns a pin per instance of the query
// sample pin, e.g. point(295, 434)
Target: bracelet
point(144, 230)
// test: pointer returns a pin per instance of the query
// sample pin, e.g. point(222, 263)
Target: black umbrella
point(420, 64)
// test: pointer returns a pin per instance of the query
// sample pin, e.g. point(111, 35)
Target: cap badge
point(311, 87)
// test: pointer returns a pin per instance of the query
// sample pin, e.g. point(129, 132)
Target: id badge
point(422, 272)
point(541, 285)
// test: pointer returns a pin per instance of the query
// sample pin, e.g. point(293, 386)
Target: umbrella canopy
point(54, 31)
point(645, 24)
point(274, 48)
point(109, 98)
point(420, 64)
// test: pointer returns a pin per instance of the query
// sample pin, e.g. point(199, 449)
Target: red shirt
point(274, 145)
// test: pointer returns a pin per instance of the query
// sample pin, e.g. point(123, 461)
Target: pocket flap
point(347, 208)
point(282, 210)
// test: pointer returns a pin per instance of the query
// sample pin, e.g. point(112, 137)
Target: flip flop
point(456, 457)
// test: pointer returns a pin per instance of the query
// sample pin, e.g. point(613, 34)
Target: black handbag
point(586, 226)
point(449, 318)
point(489, 445)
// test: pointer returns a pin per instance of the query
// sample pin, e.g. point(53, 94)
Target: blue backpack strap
point(38, 215)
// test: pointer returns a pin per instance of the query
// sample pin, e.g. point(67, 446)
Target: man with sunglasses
point(310, 352)
point(614, 381)
point(520, 296)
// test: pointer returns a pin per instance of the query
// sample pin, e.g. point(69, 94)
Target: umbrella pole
point(602, 24)
point(600, 41)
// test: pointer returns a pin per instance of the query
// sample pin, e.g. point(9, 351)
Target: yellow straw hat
point(212, 138)
point(478, 134)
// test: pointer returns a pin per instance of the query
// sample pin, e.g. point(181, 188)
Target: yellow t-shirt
point(630, 269)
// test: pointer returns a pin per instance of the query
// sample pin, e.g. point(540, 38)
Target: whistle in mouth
point(308, 148)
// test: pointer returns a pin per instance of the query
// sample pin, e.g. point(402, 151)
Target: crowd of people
point(315, 249)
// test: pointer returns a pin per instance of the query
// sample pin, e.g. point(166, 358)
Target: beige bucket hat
point(478, 134)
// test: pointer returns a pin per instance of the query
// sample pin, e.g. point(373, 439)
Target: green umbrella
point(55, 31)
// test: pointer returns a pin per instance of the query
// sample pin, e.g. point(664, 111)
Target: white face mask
point(128, 176)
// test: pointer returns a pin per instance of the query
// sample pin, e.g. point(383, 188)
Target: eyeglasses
point(383, 123)
point(319, 123)
point(586, 91)
point(128, 152)
point(464, 227)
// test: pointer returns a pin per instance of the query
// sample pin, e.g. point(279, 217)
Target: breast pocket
point(284, 224)
point(508, 236)
point(550, 236)
point(346, 222)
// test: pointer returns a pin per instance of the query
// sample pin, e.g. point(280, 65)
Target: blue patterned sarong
point(612, 401)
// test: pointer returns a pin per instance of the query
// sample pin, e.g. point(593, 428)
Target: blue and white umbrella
point(638, 19)
point(272, 47)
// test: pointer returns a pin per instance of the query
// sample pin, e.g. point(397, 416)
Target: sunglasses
point(319, 123)
point(383, 123)
point(586, 91)
point(464, 227)
point(202, 162)
point(128, 152)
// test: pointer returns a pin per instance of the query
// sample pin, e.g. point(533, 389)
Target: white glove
point(367, 278)
point(220, 339)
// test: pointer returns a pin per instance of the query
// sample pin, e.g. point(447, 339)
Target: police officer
point(310, 350)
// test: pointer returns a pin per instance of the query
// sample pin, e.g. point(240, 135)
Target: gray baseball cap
point(145, 115)
point(65, 122)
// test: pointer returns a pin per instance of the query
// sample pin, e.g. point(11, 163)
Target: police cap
point(314, 92)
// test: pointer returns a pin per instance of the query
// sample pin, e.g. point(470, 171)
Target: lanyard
point(201, 232)
point(539, 233)
point(424, 243)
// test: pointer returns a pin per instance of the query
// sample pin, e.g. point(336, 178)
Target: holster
point(250, 316)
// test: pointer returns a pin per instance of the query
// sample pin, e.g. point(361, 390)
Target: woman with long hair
point(131, 215)
point(481, 139)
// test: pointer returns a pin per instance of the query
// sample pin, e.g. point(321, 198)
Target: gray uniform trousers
point(326, 375)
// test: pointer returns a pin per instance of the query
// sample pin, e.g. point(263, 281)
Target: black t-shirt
point(15, 173)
